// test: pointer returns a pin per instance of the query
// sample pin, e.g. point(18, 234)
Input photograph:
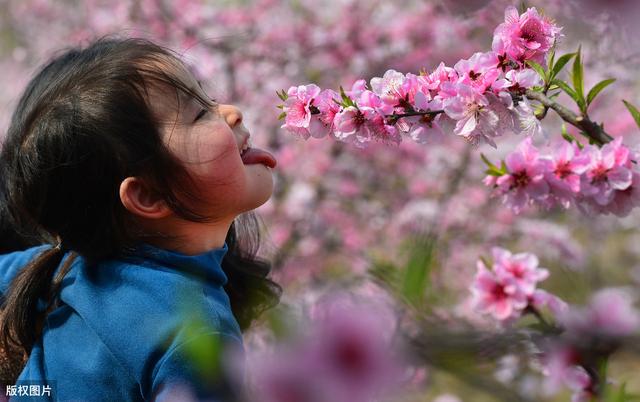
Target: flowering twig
point(592, 130)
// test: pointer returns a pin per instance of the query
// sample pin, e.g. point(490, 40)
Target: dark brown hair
point(82, 125)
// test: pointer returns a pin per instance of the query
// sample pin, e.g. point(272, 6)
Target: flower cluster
point(509, 289)
point(590, 334)
point(480, 97)
point(345, 354)
point(597, 180)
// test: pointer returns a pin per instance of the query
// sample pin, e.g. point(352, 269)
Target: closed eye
point(202, 113)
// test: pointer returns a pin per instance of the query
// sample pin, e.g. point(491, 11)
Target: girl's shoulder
point(144, 307)
point(12, 263)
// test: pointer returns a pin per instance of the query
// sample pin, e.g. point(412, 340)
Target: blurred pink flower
point(610, 313)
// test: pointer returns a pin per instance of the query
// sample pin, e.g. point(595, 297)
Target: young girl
point(136, 180)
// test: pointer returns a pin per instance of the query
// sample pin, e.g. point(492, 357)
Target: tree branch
point(589, 128)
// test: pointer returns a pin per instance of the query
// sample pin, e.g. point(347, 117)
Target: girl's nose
point(232, 115)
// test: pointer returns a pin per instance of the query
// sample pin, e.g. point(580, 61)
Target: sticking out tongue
point(253, 156)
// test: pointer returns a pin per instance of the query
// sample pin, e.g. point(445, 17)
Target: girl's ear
point(138, 199)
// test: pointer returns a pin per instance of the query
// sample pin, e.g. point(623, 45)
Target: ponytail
point(21, 320)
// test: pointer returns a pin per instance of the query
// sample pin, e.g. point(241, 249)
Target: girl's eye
point(202, 113)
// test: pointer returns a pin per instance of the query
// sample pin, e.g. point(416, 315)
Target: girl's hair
point(82, 126)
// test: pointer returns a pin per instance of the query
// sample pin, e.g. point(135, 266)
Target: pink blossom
point(610, 313)
point(476, 121)
point(525, 37)
point(395, 89)
point(480, 71)
point(566, 166)
point(524, 181)
point(541, 299)
point(498, 295)
point(517, 81)
point(442, 74)
point(423, 128)
point(297, 107)
point(625, 200)
point(522, 267)
point(561, 368)
point(361, 125)
point(325, 103)
point(608, 171)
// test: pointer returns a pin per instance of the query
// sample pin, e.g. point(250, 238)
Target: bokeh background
point(337, 211)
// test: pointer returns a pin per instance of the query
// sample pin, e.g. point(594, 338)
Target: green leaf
point(282, 95)
point(634, 112)
point(487, 161)
point(419, 267)
point(538, 69)
point(552, 58)
point(346, 101)
point(562, 61)
point(282, 115)
point(577, 76)
point(598, 88)
point(567, 89)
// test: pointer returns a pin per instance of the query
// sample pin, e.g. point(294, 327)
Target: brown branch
point(589, 128)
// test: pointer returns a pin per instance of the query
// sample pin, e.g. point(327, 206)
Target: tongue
point(256, 155)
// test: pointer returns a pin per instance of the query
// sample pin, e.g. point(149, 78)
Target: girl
point(118, 160)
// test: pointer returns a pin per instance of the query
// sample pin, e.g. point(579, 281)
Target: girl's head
point(117, 139)
point(110, 145)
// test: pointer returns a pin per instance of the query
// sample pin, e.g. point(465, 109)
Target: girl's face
point(209, 141)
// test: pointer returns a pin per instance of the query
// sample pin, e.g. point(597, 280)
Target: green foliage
point(346, 101)
point(634, 112)
point(282, 115)
point(577, 77)
point(282, 95)
point(562, 61)
point(492, 169)
point(538, 69)
point(204, 350)
point(417, 275)
point(597, 89)
point(620, 394)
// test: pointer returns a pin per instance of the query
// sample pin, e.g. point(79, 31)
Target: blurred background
point(339, 212)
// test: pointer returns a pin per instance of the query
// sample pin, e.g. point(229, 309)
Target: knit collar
point(207, 265)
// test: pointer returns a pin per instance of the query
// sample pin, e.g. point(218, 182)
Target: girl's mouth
point(251, 156)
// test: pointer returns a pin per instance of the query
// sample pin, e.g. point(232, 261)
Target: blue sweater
point(119, 333)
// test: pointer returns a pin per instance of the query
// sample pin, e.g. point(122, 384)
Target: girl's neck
point(185, 237)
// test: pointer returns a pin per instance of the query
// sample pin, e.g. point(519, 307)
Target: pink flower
point(561, 368)
point(524, 181)
point(442, 74)
point(610, 313)
point(517, 81)
point(608, 171)
point(298, 109)
point(479, 72)
point(541, 299)
point(564, 174)
point(395, 89)
point(525, 37)
point(498, 295)
point(476, 121)
point(328, 108)
point(522, 267)
point(625, 200)
point(423, 128)
point(361, 125)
